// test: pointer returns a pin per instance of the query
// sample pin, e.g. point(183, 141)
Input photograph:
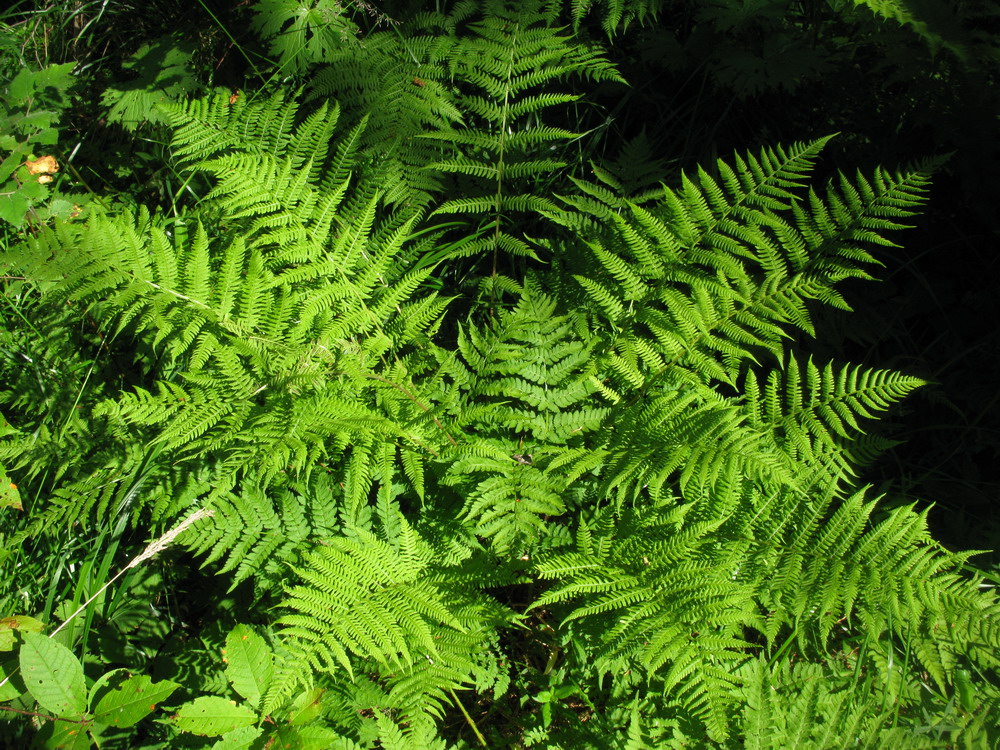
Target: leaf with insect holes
point(131, 699)
point(65, 735)
point(53, 675)
point(248, 663)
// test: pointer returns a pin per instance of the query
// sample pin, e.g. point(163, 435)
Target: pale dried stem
point(152, 549)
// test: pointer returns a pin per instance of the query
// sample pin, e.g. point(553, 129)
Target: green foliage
point(513, 59)
point(521, 397)
point(162, 73)
point(937, 24)
point(30, 108)
point(612, 500)
point(300, 34)
point(616, 14)
point(48, 674)
point(464, 94)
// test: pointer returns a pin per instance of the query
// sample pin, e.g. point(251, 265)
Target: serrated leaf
point(238, 739)
point(23, 85)
point(53, 675)
point(213, 716)
point(13, 208)
point(132, 700)
point(59, 208)
point(249, 663)
point(32, 189)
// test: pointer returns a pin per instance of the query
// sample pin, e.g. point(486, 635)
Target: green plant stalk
point(475, 729)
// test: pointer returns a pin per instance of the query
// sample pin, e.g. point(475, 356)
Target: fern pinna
point(616, 488)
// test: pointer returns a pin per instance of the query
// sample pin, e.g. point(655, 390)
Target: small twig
point(43, 716)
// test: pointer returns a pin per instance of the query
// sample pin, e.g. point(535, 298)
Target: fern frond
point(814, 413)
point(366, 597)
point(715, 272)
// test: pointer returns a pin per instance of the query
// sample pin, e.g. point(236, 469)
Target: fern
point(264, 366)
point(717, 271)
point(388, 601)
point(616, 14)
point(522, 399)
point(938, 26)
point(815, 418)
point(259, 538)
point(400, 89)
point(615, 501)
point(508, 58)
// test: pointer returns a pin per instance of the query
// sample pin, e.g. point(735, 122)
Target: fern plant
point(614, 501)
point(464, 94)
point(512, 59)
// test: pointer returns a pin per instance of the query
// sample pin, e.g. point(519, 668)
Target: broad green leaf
point(11, 162)
point(18, 622)
point(13, 208)
point(213, 716)
point(14, 687)
point(105, 683)
point(57, 77)
point(248, 663)
point(67, 735)
point(9, 496)
point(23, 85)
point(238, 739)
point(131, 700)
point(47, 137)
point(306, 706)
point(313, 737)
point(59, 208)
point(53, 675)
point(32, 189)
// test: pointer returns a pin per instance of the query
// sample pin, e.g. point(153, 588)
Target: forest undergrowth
point(487, 374)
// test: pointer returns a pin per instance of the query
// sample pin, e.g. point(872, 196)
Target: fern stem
point(457, 702)
point(406, 392)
